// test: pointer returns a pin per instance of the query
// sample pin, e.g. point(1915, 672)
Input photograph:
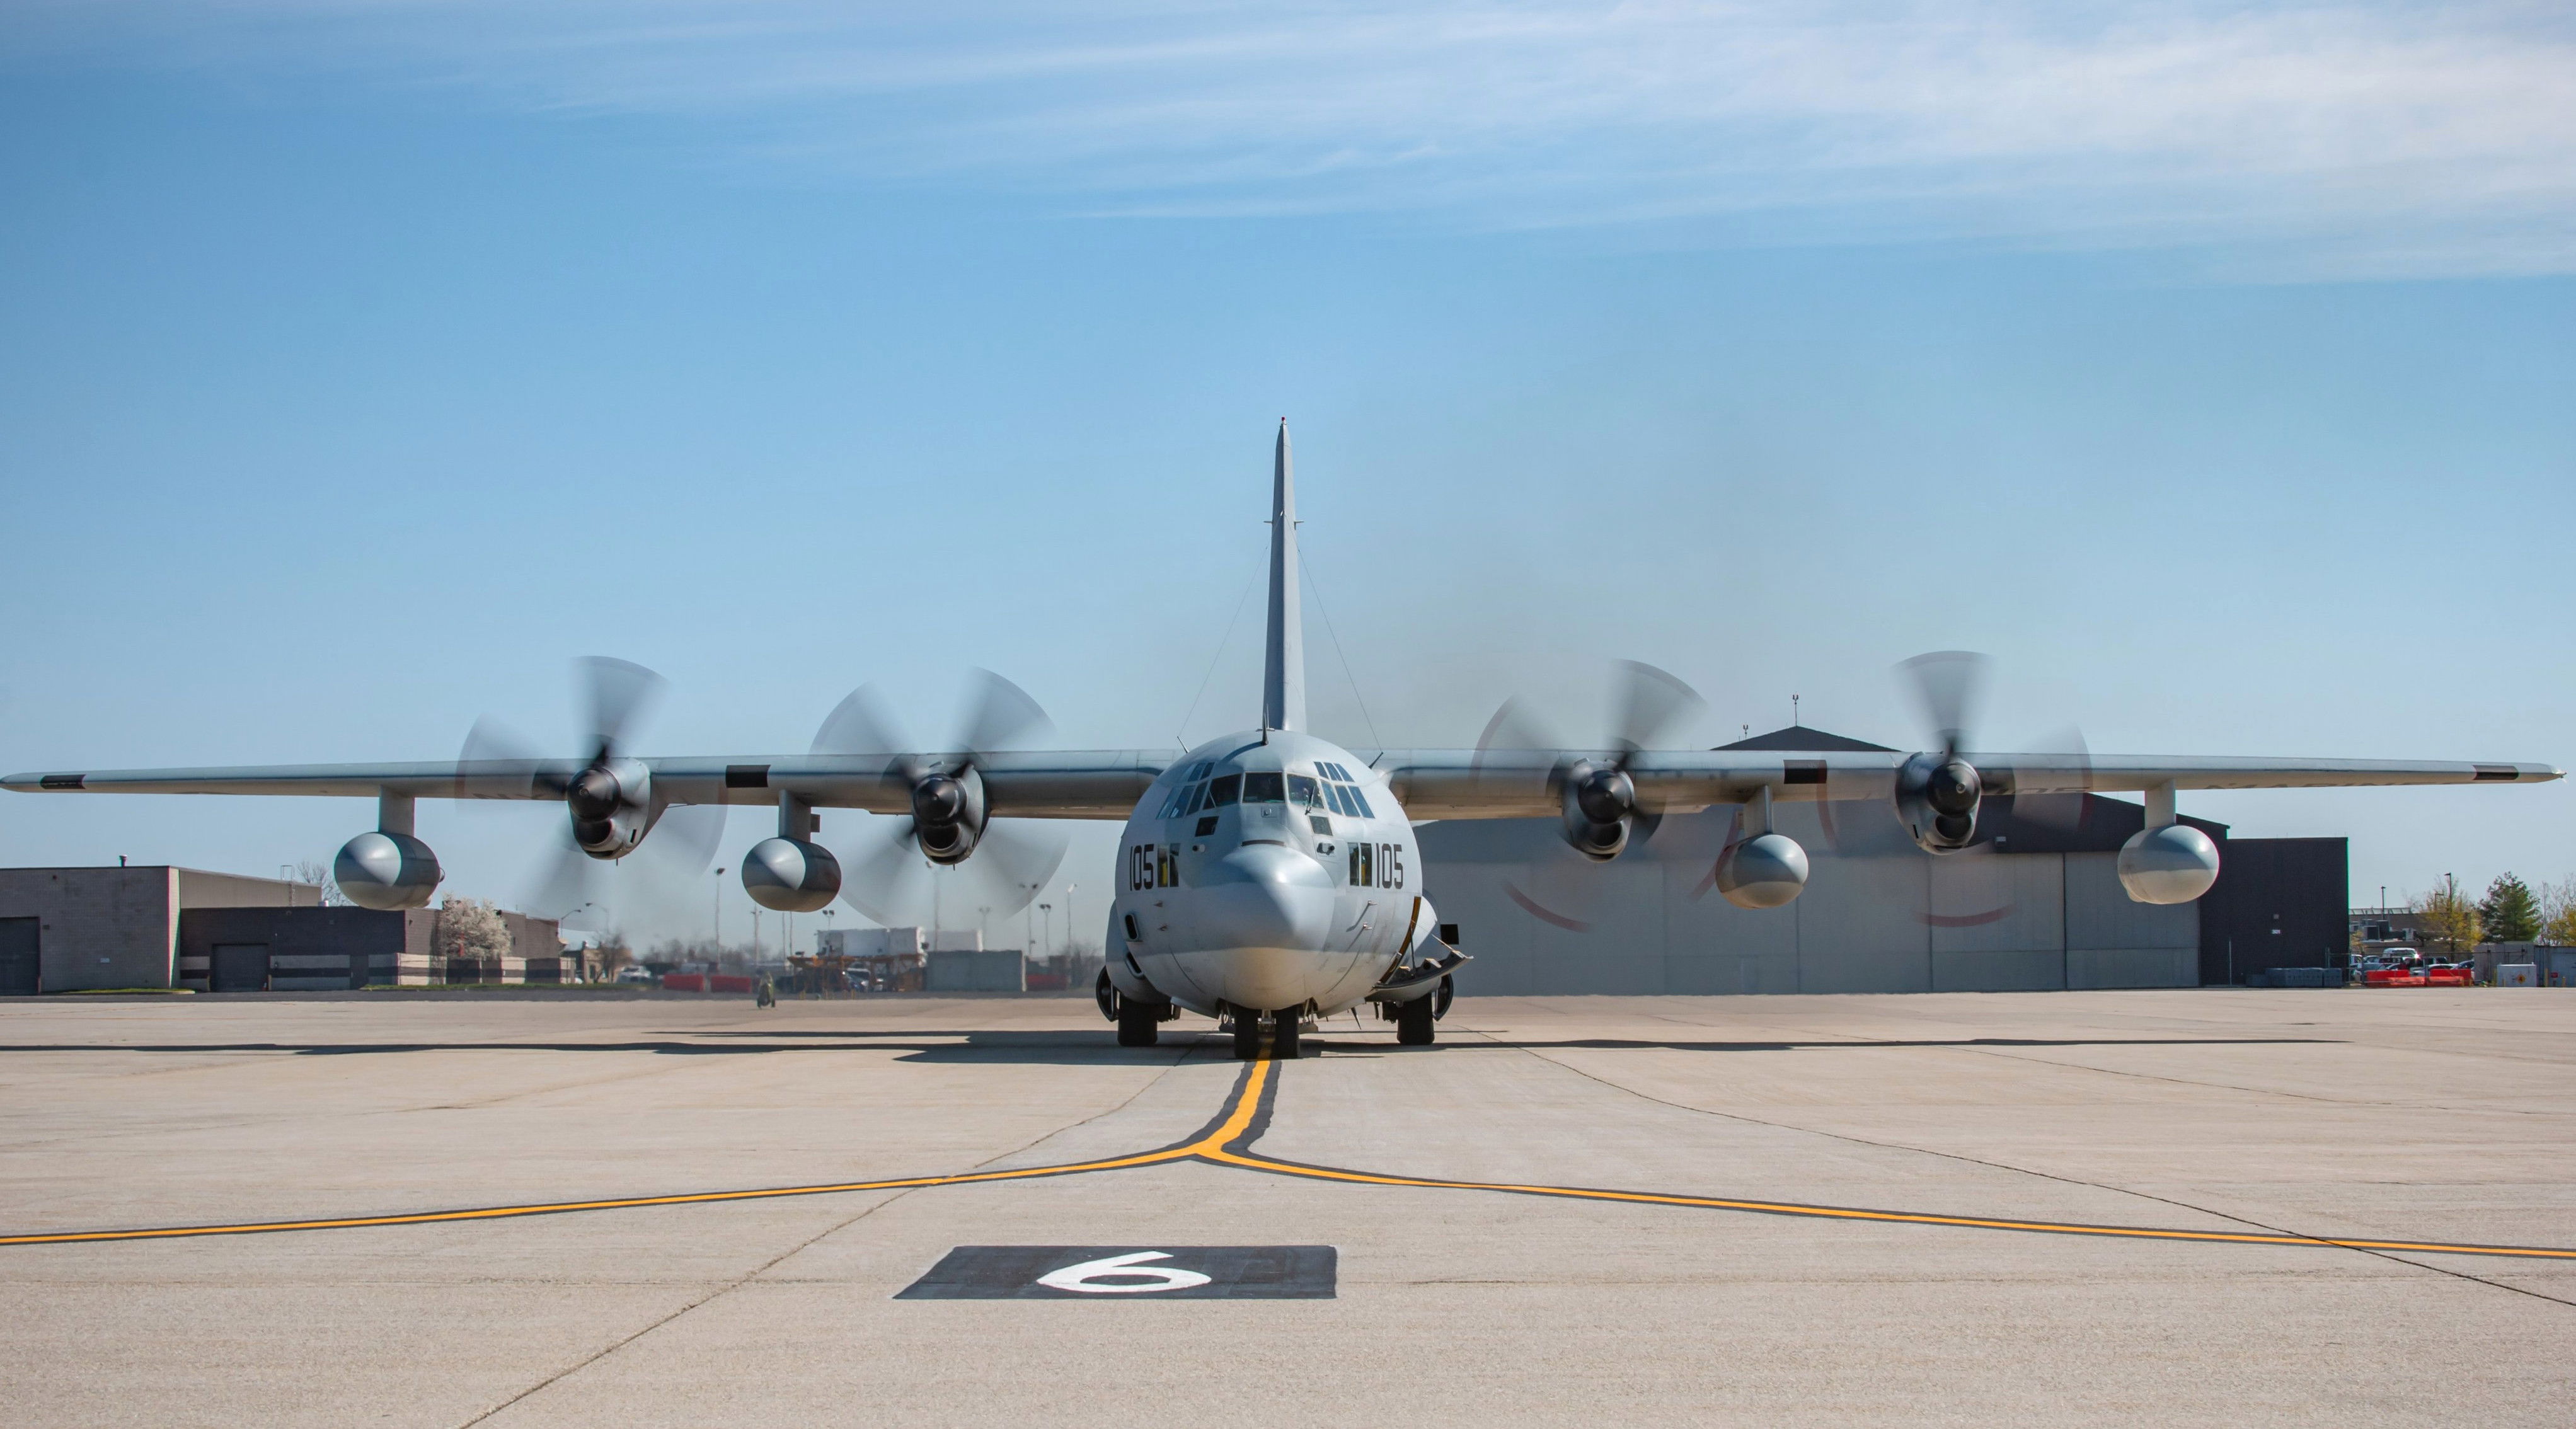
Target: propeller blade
point(886, 877)
point(2062, 810)
point(1511, 748)
point(683, 841)
point(569, 881)
point(1016, 858)
point(999, 715)
point(507, 754)
point(1652, 703)
point(618, 693)
point(861, 724)
point(1562, 888)
point(1946, 684)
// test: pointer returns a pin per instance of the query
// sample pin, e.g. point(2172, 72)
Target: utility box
point(977, 970)
point(2517, 975)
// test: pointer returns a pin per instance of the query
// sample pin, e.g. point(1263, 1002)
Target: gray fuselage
point(1264, 872)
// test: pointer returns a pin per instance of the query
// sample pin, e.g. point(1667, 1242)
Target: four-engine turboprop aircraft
point(1268, 876)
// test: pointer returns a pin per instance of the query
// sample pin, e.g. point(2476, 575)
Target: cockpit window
point(1264, 787)
point(1224, 790)
point(1189, 800)
point(1301, 790)
point(1199, 770)
point(1359, 801)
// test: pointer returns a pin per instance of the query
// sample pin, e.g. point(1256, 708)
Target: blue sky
point(362, 364)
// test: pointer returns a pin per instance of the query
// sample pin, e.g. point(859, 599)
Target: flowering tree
point(468, 929)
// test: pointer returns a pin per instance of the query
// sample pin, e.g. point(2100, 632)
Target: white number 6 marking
point(1079, 1277)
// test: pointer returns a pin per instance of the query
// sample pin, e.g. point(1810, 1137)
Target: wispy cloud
point(2323, 139)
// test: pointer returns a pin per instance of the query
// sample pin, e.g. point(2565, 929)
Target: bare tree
point(2558, 913)
point(612, 955)
point(319, 875)
point(2448, 919)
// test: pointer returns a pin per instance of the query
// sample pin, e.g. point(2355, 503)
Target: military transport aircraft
point(1267, 877)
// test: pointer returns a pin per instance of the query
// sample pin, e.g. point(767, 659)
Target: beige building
point(68, 929)
point(77, 929)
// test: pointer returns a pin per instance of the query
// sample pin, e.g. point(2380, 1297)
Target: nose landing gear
point(1283, 1026)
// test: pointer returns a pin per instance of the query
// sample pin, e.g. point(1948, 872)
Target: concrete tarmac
point(2275, 1121)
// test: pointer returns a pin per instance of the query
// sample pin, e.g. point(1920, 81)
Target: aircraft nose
point(1267, 896)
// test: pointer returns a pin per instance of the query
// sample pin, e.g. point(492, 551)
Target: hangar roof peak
point(1798, 736)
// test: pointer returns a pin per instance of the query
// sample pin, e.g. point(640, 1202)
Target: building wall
point(976, 970)
point(308, 948)
point(119, 927)
point(1879, 914)
point(2278, 903)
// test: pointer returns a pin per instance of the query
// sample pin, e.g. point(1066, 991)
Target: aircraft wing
point(1518, 783)
point(1075, 784)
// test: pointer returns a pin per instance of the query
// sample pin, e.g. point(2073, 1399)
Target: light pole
point(715, 912)
point(1047, 938)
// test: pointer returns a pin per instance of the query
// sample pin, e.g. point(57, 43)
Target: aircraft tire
point(1283, 1034)
point(1413, 1022)
point(1137, 1023)
point(1247, 1037)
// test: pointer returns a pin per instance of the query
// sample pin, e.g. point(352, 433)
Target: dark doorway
point(239, 967)
point(21, 964)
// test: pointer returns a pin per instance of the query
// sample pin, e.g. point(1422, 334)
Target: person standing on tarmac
point(768, 994)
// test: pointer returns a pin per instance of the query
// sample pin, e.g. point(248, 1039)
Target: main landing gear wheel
point(1247, 1036)
point(1413, 1022)
point(1137, 1023)
point(1283, 1034)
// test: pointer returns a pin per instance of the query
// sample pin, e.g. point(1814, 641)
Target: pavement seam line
point(2364, 1249)
point(613, 1347)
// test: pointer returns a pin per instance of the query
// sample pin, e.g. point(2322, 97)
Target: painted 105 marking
point(1369, 866)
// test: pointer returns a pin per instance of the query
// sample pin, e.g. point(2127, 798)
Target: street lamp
point(1048, 937)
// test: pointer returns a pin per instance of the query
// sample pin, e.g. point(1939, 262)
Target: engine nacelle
point(1764, 871)
point(2173, 864)
point(611, 804)
point(791, 875)
point(948, 812)
point(386, 871)
point(1936, 800)
point(1600, 805)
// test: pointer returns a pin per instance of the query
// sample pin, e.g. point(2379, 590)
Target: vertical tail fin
point(1283, 666)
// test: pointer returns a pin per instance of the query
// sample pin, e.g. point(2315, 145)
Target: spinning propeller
point(993, 866)
point(610, 799)
point(1604, 812)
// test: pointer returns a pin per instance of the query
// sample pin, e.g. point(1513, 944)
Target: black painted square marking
point(1129, 1272)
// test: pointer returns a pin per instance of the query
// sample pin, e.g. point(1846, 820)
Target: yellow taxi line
point(1217, 1147)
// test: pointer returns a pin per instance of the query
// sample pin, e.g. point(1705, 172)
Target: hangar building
point(2036, 905)
point(75, 929)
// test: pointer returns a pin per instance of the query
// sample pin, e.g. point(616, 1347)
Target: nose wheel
point(1283, 1034)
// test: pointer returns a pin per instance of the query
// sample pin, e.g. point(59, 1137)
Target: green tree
point(2448, 921)
point(2509, 913)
